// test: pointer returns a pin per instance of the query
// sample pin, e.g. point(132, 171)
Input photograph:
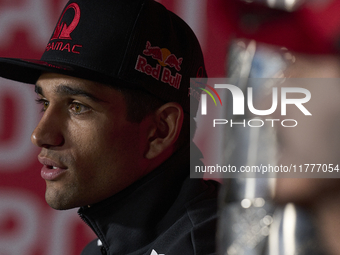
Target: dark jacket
point(165, 212)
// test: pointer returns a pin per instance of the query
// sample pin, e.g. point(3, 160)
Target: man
point(113, 83)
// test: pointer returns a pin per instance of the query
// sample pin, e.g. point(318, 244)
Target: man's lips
point(51, 169)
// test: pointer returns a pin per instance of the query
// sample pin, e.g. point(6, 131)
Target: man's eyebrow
point(65, 90)
point(38, 90)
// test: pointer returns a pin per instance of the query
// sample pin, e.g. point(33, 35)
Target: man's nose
point(48, 132)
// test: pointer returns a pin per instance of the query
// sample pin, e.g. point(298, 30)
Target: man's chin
point(59, 205)
point(59, 201)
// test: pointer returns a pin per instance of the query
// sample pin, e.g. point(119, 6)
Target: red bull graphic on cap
point(63, 31)
point(160, 72)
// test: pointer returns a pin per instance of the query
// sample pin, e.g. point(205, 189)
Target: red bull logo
point(154, 52)
point(160, 72)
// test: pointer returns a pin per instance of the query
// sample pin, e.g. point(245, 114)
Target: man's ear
point(168, 120)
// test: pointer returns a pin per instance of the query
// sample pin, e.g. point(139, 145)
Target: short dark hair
point(141, 103)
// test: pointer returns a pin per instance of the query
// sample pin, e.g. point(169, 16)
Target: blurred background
point(309, 29)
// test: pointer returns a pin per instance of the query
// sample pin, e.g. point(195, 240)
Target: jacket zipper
point(88, 223)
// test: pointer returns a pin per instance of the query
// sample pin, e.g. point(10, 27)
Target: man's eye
point(44, 104)
point(78, 108)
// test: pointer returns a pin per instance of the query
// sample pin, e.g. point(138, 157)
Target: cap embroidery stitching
point(160, 54)
point(62, 31)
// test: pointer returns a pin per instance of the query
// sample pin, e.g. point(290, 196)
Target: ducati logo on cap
point(164, 58)
point(63, 31)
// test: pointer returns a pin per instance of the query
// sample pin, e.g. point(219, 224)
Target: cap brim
point(29, 70)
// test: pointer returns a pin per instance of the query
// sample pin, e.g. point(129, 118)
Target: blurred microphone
point(287, 5)
point(250, 223)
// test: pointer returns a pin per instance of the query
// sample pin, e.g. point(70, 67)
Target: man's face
point(88, 148)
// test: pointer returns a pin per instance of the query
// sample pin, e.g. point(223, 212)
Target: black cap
point(132, 42)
